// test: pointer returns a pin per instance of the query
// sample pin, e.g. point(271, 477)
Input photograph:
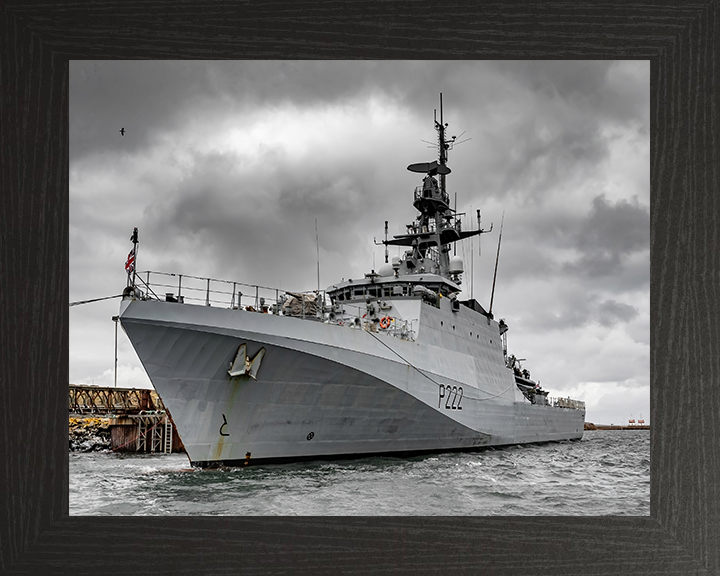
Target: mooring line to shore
point(94, 300)
point(489, 397)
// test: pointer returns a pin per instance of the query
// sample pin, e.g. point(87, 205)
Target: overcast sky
point(224, 167)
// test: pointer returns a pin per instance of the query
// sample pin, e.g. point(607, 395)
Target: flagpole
point(135, 243)
point(115, 319)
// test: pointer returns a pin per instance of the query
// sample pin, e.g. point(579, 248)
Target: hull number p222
point(453, 396)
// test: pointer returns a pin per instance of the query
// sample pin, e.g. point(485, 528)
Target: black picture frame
point(682, 42)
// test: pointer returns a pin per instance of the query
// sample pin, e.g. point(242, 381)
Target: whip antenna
point(497, 257)
point(317, 247)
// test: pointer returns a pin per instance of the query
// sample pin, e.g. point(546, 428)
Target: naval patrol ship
point(394, 363)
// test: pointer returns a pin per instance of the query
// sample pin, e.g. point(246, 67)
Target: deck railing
point(208, 291)
point(197, 290)
point(566, 403)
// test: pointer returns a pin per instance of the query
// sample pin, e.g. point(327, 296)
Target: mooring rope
point(94, 300)
point(490, 396)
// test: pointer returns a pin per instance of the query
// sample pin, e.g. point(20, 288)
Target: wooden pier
point(137, 418)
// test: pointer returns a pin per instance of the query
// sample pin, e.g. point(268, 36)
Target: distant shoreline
point(591, 426)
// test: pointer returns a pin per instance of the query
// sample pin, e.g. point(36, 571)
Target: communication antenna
point(497, 257)
point(317, 247)
point(472, 263)
point(386, 246)
point(455, 210)
point(480, 235)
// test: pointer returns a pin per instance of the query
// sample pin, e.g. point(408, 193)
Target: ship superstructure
point(391, 363)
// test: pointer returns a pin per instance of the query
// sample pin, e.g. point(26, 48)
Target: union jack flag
point(130, 264)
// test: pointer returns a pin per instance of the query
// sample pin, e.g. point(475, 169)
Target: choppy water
point(605, 473)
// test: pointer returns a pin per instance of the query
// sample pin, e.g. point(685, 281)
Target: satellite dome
point(456, 265)
point(386, 270)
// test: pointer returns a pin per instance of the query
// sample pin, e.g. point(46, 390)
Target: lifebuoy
point(385, 322)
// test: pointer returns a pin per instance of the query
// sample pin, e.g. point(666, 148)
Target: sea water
point(605, 473)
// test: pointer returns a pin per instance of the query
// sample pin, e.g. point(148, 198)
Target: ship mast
point(442, 146)
point(443, 250)
point(438, 225)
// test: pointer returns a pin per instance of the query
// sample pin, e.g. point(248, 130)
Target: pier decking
point(137, 418)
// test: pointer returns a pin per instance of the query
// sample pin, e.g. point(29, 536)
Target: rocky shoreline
point(90, 434)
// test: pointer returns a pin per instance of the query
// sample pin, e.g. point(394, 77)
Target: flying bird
point(122, 131)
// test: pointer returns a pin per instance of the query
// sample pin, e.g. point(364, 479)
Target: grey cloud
point(608, 234)
point(152, 98)
point(608, 239)
point(622, 227)
point(145, 97)
point(520, 258)
point(559, 135)
point(538, 163)
point(610, 312)
point(606, 91)
point(576, 309)
point(609, 244)
point(244, 217)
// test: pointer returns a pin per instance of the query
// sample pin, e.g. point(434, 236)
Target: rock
point(89, 434)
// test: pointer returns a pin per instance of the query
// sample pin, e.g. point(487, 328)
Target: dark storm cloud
point(314, 83)
point(143, 97)
point(538, 161)
point(574, 309)
point(154, 98)
point(560, 134)
point(412, 84)
point(609, 234)
point(604, 244)
point(265, 214)
point(607, 91)
point(610, 312)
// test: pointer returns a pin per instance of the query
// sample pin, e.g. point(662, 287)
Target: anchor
point(243, 365)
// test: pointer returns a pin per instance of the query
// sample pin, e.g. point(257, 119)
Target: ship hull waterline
point(318, 393)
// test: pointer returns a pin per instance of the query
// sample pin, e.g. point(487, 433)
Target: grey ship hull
point(327, 391)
